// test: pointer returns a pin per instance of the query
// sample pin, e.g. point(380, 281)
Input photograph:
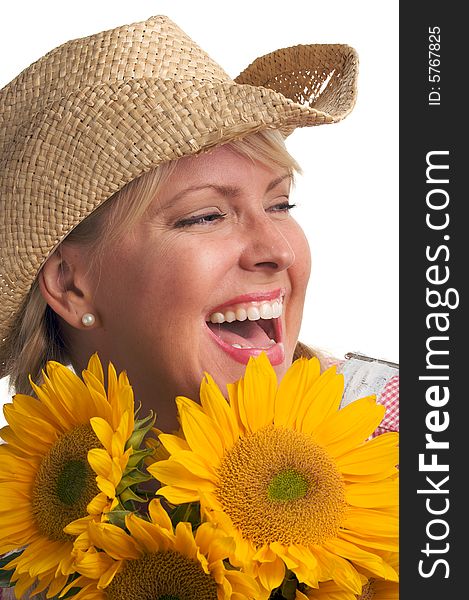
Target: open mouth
point(245, 329)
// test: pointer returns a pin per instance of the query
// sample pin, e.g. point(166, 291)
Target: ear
point(65, 286)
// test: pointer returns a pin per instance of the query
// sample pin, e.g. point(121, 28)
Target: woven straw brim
point(80, 149)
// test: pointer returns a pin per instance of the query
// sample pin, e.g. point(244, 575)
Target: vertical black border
point(428, 128)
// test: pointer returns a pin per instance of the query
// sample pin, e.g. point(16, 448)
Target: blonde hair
point(36, 334)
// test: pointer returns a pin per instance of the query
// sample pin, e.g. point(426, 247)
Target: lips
point(248, 325)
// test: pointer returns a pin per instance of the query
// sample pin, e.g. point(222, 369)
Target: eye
point(204, 219)
point(282, 207)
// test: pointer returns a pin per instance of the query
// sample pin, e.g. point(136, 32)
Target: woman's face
point(213, 273)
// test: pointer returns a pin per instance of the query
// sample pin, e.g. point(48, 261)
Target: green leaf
point(137, 457)
point(5, 578)
point(187, 513)
point(140, 431)
point(286, 591)
point(132, 478)
point(71, 592)
point(117, 517)
point(9, 557)
point(5, 573)
point(129, 495)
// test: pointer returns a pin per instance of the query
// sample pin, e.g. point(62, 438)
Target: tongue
point(245, 333)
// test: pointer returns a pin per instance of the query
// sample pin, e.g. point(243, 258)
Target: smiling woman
point(210, 246)
point(149, 221)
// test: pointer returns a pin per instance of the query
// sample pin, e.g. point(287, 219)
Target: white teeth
point(276, 309)
point(265, 311)
point(230, 316)
point(241, 314)
point(253, 312)
point(217, 317)
point(271, 343)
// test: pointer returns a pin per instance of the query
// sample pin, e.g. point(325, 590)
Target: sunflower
point(373, 588)
point(289, 476)
point(153, 560)
point(46, 481)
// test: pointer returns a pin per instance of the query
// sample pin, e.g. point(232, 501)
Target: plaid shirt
point(365, 376)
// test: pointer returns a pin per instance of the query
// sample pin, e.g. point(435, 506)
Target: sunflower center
point(368, 591)
point(71, 481)
point(287, 485)
point(278, 485)
point(65, 483)
point(164, 575)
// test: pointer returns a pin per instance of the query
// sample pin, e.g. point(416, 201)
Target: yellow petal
point(373, 523)
point(213, 542)
point(259, 391)
point(29, 406)
point(146, 534)
point(350, 426)
point(265, 554)
point(123, 433)
point(197, 465)
point(296, 382)
point(97, 394)
point(172, 472)
point(109, 574)
point(368, 560)
point(159, 516)
point(95, 367)
point(173, 443)
point(321, 402)
point(40, 433)
point(271, 574)
point(378, 456)
point(18, 469)
point(235, 395)
point(106, 486)
point(98, 505)
point(184, 542)
point(217, 408)
point(92, 564)
point(47, 395)
point(243, 585)
point(338, 569)
point(177, 495)
point(78, 526)
point(114, 541)
point(383, 544)
point(100, 461)
point(73, 394)
point(308, 570)
point(283, 551)
point(200, 431)
point(373, 495)
point(103, 432)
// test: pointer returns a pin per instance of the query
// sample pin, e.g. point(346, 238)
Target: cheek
point(183, 276)
point(301, 268)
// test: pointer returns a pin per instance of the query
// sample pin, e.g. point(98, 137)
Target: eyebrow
point(226, 190)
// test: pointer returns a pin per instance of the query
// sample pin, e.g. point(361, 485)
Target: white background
point(348, 196)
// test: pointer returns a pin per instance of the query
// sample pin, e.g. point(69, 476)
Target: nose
point(266, 247)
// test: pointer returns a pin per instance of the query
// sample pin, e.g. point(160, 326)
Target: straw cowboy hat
point(96, 112)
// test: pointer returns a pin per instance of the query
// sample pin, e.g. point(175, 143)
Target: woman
point(146, 197)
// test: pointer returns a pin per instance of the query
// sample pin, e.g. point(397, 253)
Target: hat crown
point(156, 48)
point(97, 112)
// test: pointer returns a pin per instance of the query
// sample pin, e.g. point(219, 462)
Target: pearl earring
point(88, 319)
